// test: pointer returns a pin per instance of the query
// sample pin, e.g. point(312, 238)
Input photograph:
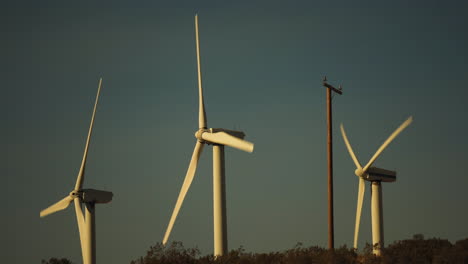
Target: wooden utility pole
point(331, 232)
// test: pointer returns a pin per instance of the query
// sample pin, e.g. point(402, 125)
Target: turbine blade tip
point(43, 214)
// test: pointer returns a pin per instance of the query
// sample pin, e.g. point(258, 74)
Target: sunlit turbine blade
point(60, 205)
point(201, 111)
point(350, 149)
point(185, 187)
point(360, 200)
point(80, 178)
point(225, 139)
point(81, 228)
point(389, 139)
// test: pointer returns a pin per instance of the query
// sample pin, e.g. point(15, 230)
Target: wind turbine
point(376, 176)
point(88, 197)
point(218, 137)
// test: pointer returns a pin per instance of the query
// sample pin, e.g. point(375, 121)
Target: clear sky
point(262, 65)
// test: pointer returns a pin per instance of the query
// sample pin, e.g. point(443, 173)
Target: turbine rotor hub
point(199, 133)
point(359, 172)
point(75, 193)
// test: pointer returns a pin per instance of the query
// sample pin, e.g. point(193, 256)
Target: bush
point(418, 250)
point(175, 253)
point(56, 261)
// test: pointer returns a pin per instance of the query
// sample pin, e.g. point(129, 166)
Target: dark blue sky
point(262, 66)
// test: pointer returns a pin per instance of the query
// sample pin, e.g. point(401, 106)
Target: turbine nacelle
point(376, 174)
point(95, 196)
point(381, 175)
point(225, 137)
point(234, 133)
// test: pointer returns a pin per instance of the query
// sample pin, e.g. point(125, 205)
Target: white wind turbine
point(375, 176)
point(218, 137)
point(88, 197)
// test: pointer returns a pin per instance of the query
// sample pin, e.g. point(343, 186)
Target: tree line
point(415, 250)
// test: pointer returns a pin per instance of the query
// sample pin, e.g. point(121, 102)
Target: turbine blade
point(60, 205)
point(389, 139)
point(185, 187)
point(81, 228)
point(350, 149)
point(201, 110)
point(224, 138)
point(80, 178)
point(361, 190)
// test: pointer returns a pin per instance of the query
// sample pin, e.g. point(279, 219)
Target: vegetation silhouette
point(414, 250)
point(56, 261)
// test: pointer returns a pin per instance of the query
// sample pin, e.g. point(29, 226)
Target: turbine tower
point(88, 197)
point(376, 176)
point(218, 137)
